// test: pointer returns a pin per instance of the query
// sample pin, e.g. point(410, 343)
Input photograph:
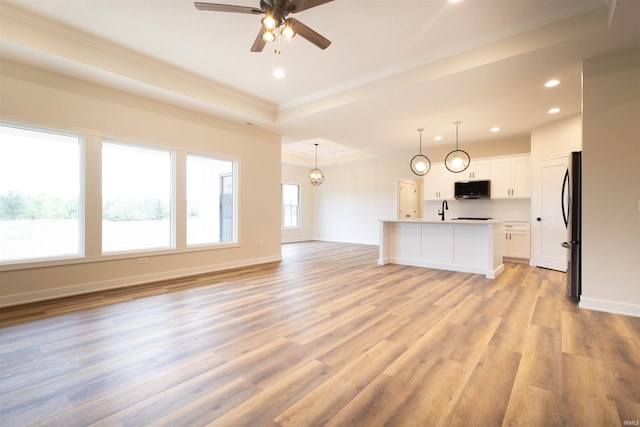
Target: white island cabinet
point(456, 245)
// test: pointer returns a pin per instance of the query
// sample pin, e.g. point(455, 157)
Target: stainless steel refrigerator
point(572, 214)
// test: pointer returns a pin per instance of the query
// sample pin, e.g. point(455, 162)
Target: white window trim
point(295, 227)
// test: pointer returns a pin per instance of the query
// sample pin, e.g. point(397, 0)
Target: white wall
point(354, 196)
point(36, 97)
point(292, 174)
point(557, 138)
point(611, 183)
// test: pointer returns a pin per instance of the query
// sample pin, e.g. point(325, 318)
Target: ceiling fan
point(275, 16)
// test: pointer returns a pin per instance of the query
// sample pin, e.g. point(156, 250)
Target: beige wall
point(479, 149)
point(557, 138)
point(36, 97)
point(292, 174)
point(611, 183)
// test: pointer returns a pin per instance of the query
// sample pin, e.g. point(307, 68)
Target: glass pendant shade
point(420, 164)
point(288, 31)
point(268, 36)
point(316, 176)
point(269, 22)
point(458, 160)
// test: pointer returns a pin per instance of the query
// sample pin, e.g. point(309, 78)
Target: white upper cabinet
point(477, 170)
point(438, 183)
point(511, 178)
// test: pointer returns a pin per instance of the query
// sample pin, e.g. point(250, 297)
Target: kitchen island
point(470, 246)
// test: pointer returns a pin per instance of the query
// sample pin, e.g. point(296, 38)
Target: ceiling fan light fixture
point(275, 15)
point(269, 22)
point(268, 36)
point(288, 31)
point(420, 164)
point(457, 160)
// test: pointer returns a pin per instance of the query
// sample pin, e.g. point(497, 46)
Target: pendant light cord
point(316, 156)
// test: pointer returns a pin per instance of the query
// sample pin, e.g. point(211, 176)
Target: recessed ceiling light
point(278, 73)
point(552, 83)
point(437, 138)
point(455, 1)
point(554, 110)
point(495, 129)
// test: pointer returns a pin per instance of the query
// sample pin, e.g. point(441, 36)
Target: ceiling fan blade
point(259, 43)
point(227, 8)
point(309, 34)
point(295, 6)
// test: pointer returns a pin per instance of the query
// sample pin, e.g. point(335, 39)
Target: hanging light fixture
point(457, 160)
point(316, 175)
point(420, 165)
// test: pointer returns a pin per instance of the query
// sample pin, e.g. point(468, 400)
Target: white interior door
point(407, 200)
point(548, 227)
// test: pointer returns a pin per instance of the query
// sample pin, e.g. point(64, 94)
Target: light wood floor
point(327, 337)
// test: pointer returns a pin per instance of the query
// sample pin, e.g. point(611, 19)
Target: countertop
point(446, 221)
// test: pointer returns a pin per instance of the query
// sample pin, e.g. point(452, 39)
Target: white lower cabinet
point(517, 237)
point(465, 246)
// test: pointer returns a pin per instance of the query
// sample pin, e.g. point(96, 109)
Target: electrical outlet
point(261, 243)
point(143, 260)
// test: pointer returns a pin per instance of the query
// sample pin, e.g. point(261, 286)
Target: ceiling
point(392, 67)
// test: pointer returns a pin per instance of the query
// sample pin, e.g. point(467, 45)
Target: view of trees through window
point(136, 197)
point(39, 191)
point(41, 196)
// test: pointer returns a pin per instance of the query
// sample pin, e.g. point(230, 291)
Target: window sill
point(75, 260)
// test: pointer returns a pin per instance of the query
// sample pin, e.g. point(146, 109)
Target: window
point(210, 200)
point(290, 205)
point(40, 177)
point(136, 198)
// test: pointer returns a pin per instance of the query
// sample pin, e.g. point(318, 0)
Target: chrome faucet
point(445, 205)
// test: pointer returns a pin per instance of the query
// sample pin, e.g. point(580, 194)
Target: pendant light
point(420, 165)
point(316, 175)
point(457, 160)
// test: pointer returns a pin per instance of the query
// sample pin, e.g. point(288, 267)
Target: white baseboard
point(296, 239)
point(610, 306)
point(128, 281)
point(355, 242)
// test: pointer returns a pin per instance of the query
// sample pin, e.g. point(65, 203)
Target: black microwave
point(472, 189)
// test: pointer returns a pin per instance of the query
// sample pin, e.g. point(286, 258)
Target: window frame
point(90, 240)
point(172, 195)
point(81, 245)
point(235, 165)
point(299, 206)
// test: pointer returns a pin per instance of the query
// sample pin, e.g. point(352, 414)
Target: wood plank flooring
point(326, 337)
